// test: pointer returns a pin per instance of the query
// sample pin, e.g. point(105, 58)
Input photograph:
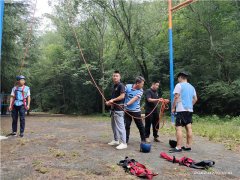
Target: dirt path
point(68, 147)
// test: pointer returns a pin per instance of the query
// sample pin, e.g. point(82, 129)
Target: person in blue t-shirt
point(184, 99)
point(133, 94)
point(19, 104)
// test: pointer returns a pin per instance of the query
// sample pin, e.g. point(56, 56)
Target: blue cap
point(20, 77)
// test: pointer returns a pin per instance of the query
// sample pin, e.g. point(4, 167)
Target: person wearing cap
point(133, 94)
point(19, 104)
point(184, 99)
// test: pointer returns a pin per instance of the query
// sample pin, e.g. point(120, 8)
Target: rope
point(164, 107)
point(163, 101)
point(28, 38)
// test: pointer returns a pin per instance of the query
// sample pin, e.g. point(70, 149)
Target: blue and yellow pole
point(1, 26)
point(171, 54)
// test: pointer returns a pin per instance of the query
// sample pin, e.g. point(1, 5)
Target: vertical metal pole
point(1, 25)
point(171, 54)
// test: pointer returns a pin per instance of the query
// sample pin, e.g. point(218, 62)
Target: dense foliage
point(130, 36)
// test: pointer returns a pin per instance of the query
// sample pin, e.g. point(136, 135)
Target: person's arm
point(12, 99)
point(176, 92)
point(176, 96)
point(149, 97)
point(11, 103)
point(195, 99)
point(152, 100)
point(119, 98)
point(28, 102)
point(132, 100)
point(28, 99)
point(139, 95)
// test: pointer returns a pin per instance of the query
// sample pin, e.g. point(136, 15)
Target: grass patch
point(57, 152)
point(38, 165)
point(225, 130)
point(23, 141)
point(75, 154)
point(42, 170)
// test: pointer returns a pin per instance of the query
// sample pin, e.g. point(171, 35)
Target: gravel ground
point(75, 147)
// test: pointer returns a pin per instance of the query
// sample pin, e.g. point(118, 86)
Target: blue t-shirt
point(131, 93)
point(17, 93)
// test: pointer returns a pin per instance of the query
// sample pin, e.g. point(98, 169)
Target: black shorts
point(183, 118)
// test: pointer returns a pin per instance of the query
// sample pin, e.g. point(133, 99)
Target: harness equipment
point(15, 97)
point(137, 169)
point(205, 164)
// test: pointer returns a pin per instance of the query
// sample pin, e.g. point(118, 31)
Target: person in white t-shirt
point(184, 99)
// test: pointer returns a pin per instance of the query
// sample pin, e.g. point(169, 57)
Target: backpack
point(137, 169)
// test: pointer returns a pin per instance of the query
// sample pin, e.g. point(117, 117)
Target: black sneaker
point(21, 134)
point(175, 150)
point(12, 134)
point(157, 140)
point(186, 148)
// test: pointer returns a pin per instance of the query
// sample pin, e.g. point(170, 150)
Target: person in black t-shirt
point(117, 113)
point(152, 99)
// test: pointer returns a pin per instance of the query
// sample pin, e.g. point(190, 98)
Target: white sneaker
point(121, 146)
point(113, 143)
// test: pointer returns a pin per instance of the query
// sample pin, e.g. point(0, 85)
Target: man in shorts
point(184, 99)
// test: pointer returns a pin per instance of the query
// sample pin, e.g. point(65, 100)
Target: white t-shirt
point(179, 106)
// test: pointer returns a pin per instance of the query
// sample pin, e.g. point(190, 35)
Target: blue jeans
point(21, 111)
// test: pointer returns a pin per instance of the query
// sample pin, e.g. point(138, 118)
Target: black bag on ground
point(203, 164)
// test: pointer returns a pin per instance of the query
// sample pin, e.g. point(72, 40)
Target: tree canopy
point(129, 36)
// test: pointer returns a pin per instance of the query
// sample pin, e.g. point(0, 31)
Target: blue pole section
point(1, 26)
point(171, 70)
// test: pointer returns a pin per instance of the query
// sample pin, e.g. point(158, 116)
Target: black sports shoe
point(186, 148)
point(12, 134)
point(157, 140)
point(175, 150)
point(21, 135)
